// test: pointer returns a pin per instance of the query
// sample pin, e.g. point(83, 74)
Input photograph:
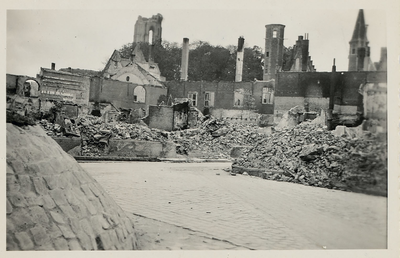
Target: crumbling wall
point(161, 117)
point(121, 94)
point(53, 203)
point(224, 92)
point(64, 86)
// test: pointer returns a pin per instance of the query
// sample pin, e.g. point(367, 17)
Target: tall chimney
point(151, 50)
point(53, 66)
point(239, 60)
point(185, 59)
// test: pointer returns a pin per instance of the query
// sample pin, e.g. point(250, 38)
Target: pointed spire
point(360, 30)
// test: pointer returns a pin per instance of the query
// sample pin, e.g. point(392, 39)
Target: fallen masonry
point(347, 158)
point(311, 155)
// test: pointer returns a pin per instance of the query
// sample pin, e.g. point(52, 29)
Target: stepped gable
point(54, 204)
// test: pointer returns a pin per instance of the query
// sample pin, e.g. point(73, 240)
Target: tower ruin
point(273, 50)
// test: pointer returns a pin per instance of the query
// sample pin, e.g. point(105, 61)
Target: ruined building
point(148, 29)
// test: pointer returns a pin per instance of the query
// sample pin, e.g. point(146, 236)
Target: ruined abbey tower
point(148, 29)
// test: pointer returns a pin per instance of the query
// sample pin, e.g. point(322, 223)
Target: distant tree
point(206, 62)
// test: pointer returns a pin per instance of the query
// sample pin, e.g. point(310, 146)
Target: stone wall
point(54, 204)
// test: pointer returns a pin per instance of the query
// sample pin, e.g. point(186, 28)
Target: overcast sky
point(86, 38)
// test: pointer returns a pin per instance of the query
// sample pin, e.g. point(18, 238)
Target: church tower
point(148, 29)
point(273, 58)
point(359, 54)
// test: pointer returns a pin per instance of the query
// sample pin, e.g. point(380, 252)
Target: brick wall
point(53, 203)
point(121, 94)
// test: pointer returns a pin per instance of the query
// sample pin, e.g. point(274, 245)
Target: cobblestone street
point(247, 212)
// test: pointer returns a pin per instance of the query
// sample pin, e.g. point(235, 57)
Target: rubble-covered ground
point(214, 138)
point(311, 155)
point(307, 154)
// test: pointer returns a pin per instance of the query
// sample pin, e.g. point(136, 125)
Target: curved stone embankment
point(54, 204)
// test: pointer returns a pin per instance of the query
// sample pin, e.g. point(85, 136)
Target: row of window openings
point(267, 98)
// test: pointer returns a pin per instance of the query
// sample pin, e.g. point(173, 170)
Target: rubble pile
point(214, 138)
point(311, 155)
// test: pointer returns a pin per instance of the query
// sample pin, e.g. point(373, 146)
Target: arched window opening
point(151, 37)
point(139, 94)
point(31, 88)
point(127, 78)
point(275, 34)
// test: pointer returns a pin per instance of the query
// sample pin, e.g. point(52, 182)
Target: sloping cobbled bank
point(311, 155)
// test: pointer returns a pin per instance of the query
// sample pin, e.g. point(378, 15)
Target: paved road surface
point(248, 212)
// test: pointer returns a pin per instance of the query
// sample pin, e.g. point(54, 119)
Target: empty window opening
point(127, 78)
point(267, 95)
point(139, 94)
point(275, 34)
point(192, 96)
point(151, 37)
point(209, 99)
point(267, 54)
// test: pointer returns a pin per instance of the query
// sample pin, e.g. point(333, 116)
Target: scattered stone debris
point(311, 155)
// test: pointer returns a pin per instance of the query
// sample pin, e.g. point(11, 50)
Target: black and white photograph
point(249, 128)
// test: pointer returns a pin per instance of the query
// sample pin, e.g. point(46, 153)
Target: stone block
point(61, 244)
point(9, 170)
point(97, 205)
point(48, 202)
point(9, 208)
point(113, 237)
point(57, 217)
point(38, 168)
point(58, 164)
point(40, 236)
point(24, 240)
point(63, 181)
point(88, 192)
point(52, 181)
point(94, 188)
point(86, 227)
point(105, 239)
point(23, 154)
point(80, 210)
point(10, 226)
point(92, 210)
point(74, 244)
point(128, 225)
point(53, 231)
point(75, 225)
point(18, 166)
point(85, 241)
point(39, 216)
point(120, 235)
point(77, 172)
point(128, 245)
point(66, 231)
point(68, 211)
point(71, 178)
point(17, 199)
point(11, 244)
point(21, 219)
point(33, 200)
point(46, 247)
point(40, 185)
point(96, 222)
point(12, 183)
point(58, 197)
point(25, 183)
point(71, 197)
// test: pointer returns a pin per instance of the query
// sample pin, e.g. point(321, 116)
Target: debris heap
point(214, 138)
point(311, 155)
